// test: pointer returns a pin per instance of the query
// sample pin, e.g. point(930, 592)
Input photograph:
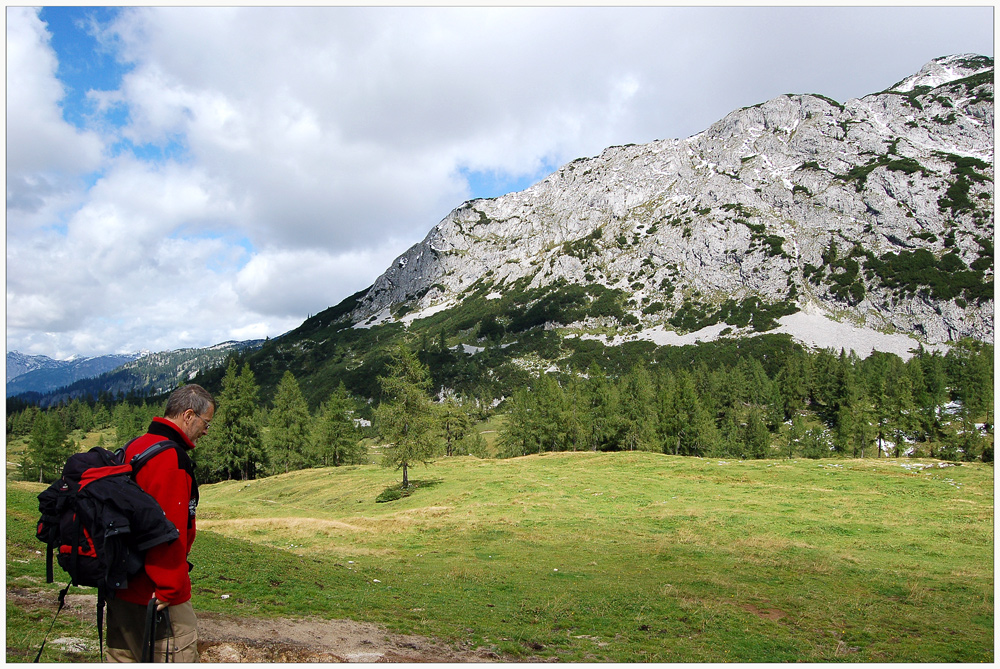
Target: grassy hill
point(610, 557)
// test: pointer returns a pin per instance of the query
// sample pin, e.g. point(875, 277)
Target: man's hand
point(160, 604)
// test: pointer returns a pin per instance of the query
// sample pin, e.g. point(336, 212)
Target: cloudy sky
point(180, 177)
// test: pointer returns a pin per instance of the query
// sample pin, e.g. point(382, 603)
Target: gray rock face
point(749, 208)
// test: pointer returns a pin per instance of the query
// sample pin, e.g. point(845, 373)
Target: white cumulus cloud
point(258, 164)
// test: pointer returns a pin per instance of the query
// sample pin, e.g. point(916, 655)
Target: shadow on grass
point(394, 492)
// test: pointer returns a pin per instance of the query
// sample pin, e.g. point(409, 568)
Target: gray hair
point(191, 396)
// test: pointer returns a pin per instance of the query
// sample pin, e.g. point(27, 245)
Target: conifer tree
point(814, 444)
point(755, 437)
point(730, 442)
point(575, 415)
point(924, 419)
point(48, 448)
point(129, 422)
point(517, 436)
point(934, 394)
point(603, 426)
point(793, 383)
point(289, 439)
point(454, 423)
point(548, 420)
point(795, 434)
point(23, 422)
point(899, 404)
point(234, 447)
point(851, 415)
point(687, 427)
point(405, 418)
point(338, 439)
point(637, 396)
point(970, 370)
point(102, 416)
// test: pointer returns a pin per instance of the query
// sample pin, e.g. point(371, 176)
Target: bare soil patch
point(225, 638)
point(769, 614)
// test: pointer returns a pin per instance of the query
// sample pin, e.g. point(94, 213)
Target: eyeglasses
point(207, 423)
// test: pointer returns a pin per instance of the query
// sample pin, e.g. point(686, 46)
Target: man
point(169, 478)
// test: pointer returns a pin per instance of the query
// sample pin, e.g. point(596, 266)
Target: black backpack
point(101, 523)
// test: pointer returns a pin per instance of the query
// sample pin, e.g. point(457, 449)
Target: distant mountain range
point(39, 373)
point(45, 380)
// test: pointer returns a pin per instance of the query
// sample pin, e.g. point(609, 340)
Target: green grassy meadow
point(604, 557)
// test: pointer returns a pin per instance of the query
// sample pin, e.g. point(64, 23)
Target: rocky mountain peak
point(943, 70)
point(876, 212)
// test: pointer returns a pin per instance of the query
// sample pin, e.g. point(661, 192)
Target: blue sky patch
point(84, 64)
point(490, 183)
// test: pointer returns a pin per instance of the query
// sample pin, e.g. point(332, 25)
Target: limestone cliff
point(878, 211)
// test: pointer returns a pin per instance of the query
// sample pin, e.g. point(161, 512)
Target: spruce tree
point(603, 427)
point(899, 404)
point(129, 423)
point(337, 437)
point(688, 429)
point(795, 434)
point(814, 444)
point(793, 383)
point(454, 423)
point(970, 370)
point(549, 420)
point(755, 437)
point(575, 414)
point(517, 436)
point(102, 416)
point(637, 397)
point(289, 440)
point(234, 447)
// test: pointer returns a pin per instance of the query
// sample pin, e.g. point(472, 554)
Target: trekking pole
point(149, 632)
point(62, 602)
point(153, 616)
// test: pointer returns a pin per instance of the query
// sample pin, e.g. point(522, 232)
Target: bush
point(910, 272)
point(389, 495)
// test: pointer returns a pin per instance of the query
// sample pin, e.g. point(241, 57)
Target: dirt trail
point(225, 638)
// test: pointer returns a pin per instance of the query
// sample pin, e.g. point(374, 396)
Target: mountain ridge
point(797, 200)
point(41, 373)
point(147, 373)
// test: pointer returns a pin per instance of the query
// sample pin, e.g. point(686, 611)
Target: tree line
point(812, 404)
point(831, 405)
point(409, 425)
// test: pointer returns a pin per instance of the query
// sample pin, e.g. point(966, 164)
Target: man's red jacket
point(168, 479)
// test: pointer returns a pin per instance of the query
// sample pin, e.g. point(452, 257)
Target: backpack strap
point(183, 461)
point(153, 616)
point(62, 603)
point(49, 572)
point(140, 460)
point(100, 619)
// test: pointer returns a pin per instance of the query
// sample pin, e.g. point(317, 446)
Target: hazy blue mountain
point(147, 374)
point(39, 373)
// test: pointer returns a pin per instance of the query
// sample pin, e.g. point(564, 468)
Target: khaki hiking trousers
point(175, 642)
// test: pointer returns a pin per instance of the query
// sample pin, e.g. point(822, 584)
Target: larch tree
point(48, 448)
point(405, 417)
